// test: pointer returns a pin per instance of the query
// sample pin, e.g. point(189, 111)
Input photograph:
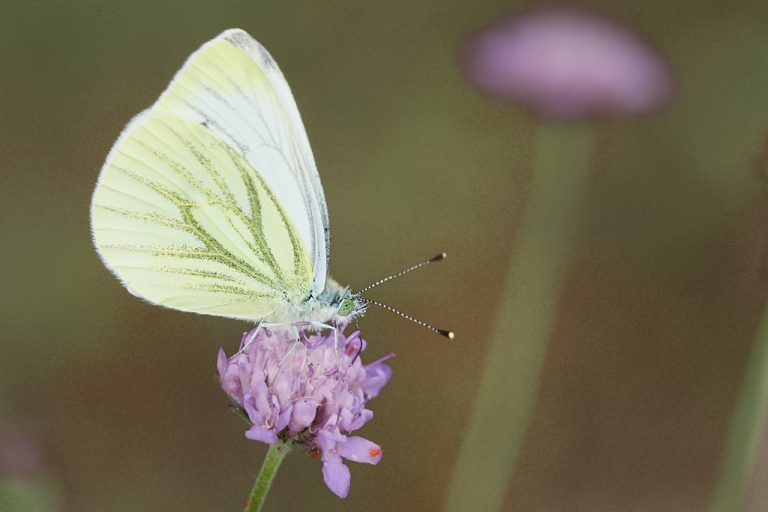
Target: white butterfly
point(210, 200)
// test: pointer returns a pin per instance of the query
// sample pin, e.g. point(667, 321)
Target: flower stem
point(507, 388)
point(748, 424)
point(274, 457)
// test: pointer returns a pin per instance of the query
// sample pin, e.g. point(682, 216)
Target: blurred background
point(107, 403)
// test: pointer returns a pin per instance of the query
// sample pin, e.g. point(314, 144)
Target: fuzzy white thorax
point(323, 308)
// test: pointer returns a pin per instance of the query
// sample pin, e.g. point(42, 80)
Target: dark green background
point(656, 316)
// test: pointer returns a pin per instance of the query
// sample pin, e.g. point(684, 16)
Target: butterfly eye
point(346, 307)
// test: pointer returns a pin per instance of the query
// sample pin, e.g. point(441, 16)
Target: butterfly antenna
point(442, 332)
point(424, 263)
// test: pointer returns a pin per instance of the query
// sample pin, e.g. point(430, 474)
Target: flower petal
point(281, 389)
point(283, 419)
point(336, 475)
point(303, 416)
point(363, 417)
point(377, 374)
point(256, 416)
point(328, 440)
point(359, 449)
point(261, 434)
point(221, 362)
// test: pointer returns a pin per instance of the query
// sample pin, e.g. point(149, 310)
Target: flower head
point(567, 63)
point(313, 392)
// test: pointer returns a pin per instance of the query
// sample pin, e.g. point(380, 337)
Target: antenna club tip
point(439, 257)
point(448, 334)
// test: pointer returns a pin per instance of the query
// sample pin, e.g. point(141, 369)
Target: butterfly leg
point(288, 353)
point(335, 329)
point(252, 337)
point(319, 325)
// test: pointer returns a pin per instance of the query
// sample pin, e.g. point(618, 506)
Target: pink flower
point(313, 392)
point(567, 63)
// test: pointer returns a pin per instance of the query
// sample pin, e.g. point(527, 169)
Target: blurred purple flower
point(22, 453)
point(567, 63)
point(309, 392)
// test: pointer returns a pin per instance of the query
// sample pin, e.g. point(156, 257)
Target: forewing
point(234, 87)
point(186, 222)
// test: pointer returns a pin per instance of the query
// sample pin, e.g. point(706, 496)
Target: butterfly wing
point(210, 201)
point(235, 88)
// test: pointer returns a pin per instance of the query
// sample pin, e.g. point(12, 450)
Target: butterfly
point(210, 200)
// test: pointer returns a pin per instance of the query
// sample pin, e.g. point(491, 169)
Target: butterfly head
point(349, 307)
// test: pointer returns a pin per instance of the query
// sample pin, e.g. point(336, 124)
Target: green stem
point(748, 423)
point(274, 457)
point(510, 378)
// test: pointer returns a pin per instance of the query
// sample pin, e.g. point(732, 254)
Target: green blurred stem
point(508, 385)
point(748, 423)
point(274, 457)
